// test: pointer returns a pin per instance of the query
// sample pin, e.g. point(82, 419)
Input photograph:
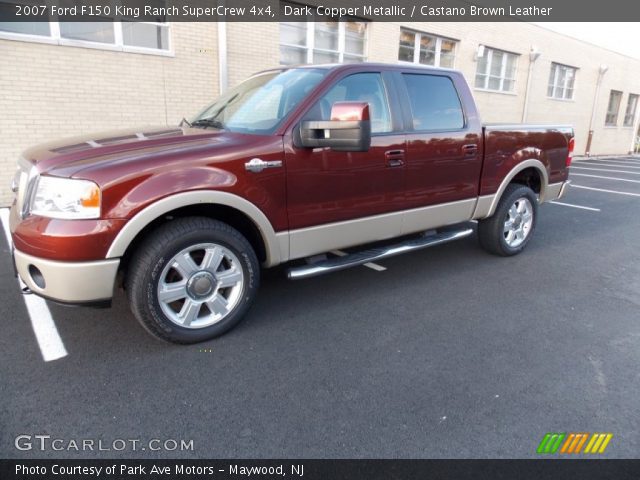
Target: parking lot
point(447, 352)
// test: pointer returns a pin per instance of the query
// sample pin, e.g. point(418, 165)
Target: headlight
point(66, 198)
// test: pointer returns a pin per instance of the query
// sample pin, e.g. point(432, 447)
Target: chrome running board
point(374, 254)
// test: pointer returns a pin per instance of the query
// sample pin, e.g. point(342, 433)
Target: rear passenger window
point(434, 102)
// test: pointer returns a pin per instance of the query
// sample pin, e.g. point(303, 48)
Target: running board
point(374, 254)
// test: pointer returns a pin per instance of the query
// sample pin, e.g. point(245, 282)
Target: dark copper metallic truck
point(291, 164)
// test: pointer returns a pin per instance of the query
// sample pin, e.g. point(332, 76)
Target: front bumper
point(68, 282)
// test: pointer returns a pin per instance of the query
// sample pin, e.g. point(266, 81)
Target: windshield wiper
point(208, 122)
point(211, 121)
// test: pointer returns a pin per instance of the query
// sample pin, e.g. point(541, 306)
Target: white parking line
point(626, 160)
point(617, 159)
point(606, 170)
point(373, 266)
point(573, 185)
point(605, 178)
point(630, 158)
point(47, 335)
point(608, 164)
point(609, 160)
point(633, 163)
point(575, 206)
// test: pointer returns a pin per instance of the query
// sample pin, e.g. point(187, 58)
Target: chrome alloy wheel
point(200, 285)
point(518, 224)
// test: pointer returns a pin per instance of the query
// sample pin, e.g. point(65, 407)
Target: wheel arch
point(529, 165)
point(207, 203)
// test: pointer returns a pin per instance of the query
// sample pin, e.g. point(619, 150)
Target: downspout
point(534, 54)
point(223, 75)
point(636, 131)
point(603, 69)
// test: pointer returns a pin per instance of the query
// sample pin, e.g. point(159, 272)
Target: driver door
point(325, 187)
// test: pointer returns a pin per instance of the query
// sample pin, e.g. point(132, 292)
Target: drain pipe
point(534, 54)
point(223, 76)
point(603, 69)
point(636, 132)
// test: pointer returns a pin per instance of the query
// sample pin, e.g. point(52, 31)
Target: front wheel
point(192, 279)
point(510, 228)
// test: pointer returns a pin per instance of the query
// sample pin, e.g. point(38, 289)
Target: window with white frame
point(417, 47)
point(143, 37)
point(611, 120)
point(561, 81)
point(630, 113)
point(322, 42)
point(496, 70)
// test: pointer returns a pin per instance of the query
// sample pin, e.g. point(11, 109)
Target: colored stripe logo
point(573, 443)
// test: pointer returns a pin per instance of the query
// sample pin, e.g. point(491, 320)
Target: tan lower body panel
point(564, 189)
point(487, 203)
point(323, 238)
point(553, 191)
point(73, 282)
point(483, 207)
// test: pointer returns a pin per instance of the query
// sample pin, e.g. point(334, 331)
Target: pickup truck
point(288, 166)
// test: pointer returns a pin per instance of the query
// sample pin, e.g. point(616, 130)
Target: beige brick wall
point(251, 48)
point(50, 91)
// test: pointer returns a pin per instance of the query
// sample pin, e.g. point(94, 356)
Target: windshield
point(261, 103)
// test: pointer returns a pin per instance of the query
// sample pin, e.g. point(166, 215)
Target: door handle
point(470, 150)
point(395, 158)
point(256, 165)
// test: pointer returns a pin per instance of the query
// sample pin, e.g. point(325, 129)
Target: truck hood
point(70, 156)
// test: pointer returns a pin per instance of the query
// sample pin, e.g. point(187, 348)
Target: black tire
point(491, 230)
point(152, 258)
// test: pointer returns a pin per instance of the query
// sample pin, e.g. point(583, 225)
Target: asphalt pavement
point(449, 352)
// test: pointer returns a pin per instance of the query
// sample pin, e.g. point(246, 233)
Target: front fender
point(275, 245)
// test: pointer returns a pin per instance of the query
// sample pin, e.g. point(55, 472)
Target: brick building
point(62, 79)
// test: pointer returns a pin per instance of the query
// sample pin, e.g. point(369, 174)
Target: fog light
point(36, 276)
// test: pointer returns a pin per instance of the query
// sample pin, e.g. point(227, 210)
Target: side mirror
point(349, 129)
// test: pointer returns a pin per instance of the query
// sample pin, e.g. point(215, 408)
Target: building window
point(426, 49)
point(496, 70)
point(8, 9)
point(611, 119)
point(98, 32)
point(24, 28)
point(322, 42)
point(630, 113)
point(561, 80)
point(145, 35)
point(139, 37)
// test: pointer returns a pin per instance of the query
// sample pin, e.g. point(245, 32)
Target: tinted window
point(434, 102)
point(259, 104)
point(360, 87)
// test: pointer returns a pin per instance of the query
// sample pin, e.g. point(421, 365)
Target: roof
point(349, 66)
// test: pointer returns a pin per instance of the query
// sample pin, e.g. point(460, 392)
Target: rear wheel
point(510, 228)
point(192, 279)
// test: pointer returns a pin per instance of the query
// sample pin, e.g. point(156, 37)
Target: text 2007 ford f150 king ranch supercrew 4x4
point(288, 165)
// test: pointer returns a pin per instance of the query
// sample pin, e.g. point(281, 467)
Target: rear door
point(444, 156)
